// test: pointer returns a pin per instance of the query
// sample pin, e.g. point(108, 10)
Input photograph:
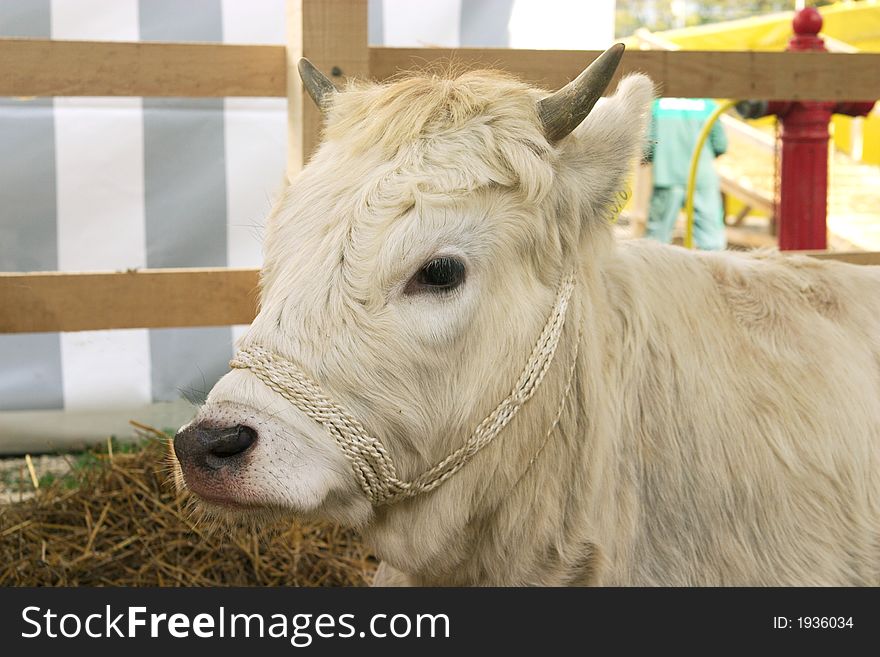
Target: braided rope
point(559, 409)
point(369, 459)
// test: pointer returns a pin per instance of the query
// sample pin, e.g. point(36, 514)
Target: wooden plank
point(161, 298)
point(852, 257)
point(685, 73)
point(739, 129)
point(747, 194)
point(34, 302)
point(749, 239)
point(332, 34)
point(744, 238)
point(41, 67)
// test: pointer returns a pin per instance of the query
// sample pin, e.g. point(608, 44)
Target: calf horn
point(318, 85)
point(564, 110)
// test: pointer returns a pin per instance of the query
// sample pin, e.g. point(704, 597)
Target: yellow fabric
point(855, 23)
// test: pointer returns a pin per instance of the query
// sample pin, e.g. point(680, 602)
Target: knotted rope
point(369, 459)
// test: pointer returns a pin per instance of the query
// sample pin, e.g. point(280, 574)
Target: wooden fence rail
point(148, 298)
point(157, 298)
point(333, 33)
point(683, 73)
point(41, 67)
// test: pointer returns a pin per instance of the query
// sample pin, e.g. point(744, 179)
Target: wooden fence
point(333, 34)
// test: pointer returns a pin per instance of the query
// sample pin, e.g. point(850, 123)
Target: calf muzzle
point(207, 447)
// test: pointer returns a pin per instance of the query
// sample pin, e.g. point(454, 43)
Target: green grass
point(80, 463)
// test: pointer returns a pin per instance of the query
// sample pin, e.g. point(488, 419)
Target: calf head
point(409, 270)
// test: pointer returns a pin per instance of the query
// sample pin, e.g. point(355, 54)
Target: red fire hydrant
point(803, 164)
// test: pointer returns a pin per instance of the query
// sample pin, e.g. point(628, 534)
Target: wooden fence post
point(333, 35)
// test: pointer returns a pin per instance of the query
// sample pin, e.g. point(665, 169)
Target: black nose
point(212, 447)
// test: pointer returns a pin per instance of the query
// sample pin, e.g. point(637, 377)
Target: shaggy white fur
point(724, 421)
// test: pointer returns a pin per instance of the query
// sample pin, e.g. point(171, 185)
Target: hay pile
point(121, 523)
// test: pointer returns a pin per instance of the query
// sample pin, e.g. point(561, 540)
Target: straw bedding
point(120, 522)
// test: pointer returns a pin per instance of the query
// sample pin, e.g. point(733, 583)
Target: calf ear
point(598, 159)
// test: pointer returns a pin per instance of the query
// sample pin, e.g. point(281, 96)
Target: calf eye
point(438, 275)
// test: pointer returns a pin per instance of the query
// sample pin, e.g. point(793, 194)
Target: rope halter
point(370, 461)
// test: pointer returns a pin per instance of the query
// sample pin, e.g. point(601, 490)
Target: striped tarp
point(91, 184)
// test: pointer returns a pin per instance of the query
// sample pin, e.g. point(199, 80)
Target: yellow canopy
point(855, 24)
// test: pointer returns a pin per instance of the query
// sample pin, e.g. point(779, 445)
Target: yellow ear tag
point(622, 198)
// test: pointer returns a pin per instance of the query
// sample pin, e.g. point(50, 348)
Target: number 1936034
point(813, 622)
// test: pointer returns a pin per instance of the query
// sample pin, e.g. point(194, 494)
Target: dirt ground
point(16, 483)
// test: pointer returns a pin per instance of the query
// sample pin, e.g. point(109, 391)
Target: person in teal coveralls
point(675, 126)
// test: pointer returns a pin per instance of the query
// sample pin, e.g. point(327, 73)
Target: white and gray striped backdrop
point(89, 184)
